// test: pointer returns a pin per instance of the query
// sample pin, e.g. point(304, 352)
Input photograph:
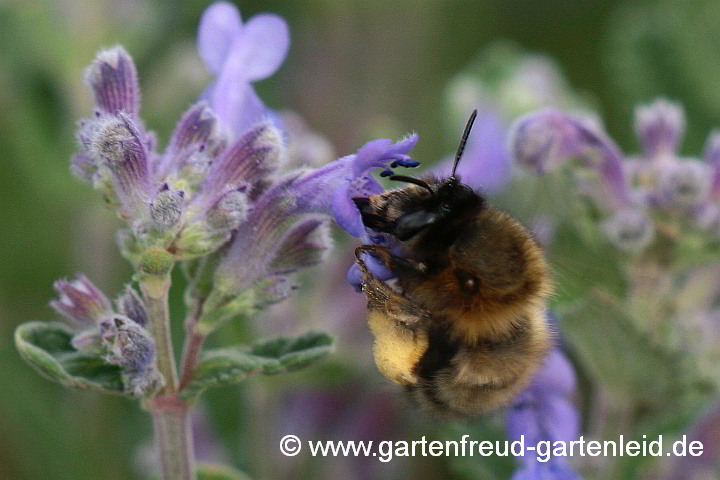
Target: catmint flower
point(250, 160)
point(712, 158)
point(132, 306)
point(287, 227)
point(349, 177)
point(544, 140)
point(190, 198)
point(543, 413)
point(117, 338)
point(630, 229)
point(660, 127)
point(486, 164)
point(113, 80)
point(166, 208)
point(117, 145)
point(685, 183)
point(127, 344)
point(239, 54)
point(229, 211)
point(81, 302)
point(306, 148)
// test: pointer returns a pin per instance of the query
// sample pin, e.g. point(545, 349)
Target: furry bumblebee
point(463, 326)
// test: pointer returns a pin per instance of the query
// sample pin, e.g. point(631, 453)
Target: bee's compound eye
point(469, 283)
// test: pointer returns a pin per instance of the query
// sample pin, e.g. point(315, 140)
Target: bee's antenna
point(463, 141)
point(413, 180)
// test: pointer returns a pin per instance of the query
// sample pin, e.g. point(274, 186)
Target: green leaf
point(219, 472)
point(582, 262)
point(47, 348)
point(292, 353)
point(617, 353)
point(231, 365)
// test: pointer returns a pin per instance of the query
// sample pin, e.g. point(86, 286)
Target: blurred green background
point(356, 70)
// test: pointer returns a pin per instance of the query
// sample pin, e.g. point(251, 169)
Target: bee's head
point(426, 203)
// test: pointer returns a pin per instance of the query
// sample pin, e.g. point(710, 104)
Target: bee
point(462, 326)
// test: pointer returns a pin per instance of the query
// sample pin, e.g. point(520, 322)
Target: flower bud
point(167, 208)
point(113, 80)
point(685, 183)
point(660, 127)
point(229, 211)
point(249, 160)
point(630, 230)
point(118, 145)
point(126, 343)
point(131, 305)
point(305, 244)
point(197, 128)
point(156, 261)
point(80, 301)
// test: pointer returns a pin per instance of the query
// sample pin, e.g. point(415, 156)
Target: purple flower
point(630, 229)
point(543, 140)
point(660, 127)
point(113, 80)
point(287, 228)
point(119, 339)
point(706, 431)
point(240, 54)
point(131, 305)
point(349, 177)
point(712, 158)
point(543, 414)
point(81, 302)
point(486, 163)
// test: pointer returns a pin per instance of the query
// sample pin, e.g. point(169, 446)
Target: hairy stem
point(173, 433)
point(155, 291)
point(171, 415)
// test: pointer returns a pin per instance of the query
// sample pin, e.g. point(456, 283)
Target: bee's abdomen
point(460, 379)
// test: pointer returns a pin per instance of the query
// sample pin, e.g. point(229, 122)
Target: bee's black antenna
point(463, 140)
point(413, 180)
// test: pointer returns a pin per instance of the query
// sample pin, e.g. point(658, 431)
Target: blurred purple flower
point(542, 141)
point(543, 413)
point(707, 431)
point(486, 163)
point(636, 188)
point(239, 54)
point(660, 127)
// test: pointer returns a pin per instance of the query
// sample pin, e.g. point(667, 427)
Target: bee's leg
point(398, 308)
point(399, 265)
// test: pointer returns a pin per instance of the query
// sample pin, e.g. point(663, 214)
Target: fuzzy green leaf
point(615, 351)
point(292, 353)
point(47, 348)
point(231, 365)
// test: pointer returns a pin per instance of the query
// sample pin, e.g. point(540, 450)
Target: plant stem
point(194, 341)
point(171, 415)
point(155, 291)
point(173, 433)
